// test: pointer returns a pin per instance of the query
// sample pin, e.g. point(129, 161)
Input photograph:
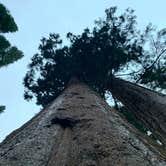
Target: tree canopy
point(8, 53)
point(95, 57)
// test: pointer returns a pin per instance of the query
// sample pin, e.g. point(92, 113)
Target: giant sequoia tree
point(96, 57)
point(78, 127)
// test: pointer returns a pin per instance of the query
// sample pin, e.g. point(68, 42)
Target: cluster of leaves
point(94, 57)
point(8, 53)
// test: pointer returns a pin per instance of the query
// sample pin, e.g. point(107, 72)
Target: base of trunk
point(78, 129)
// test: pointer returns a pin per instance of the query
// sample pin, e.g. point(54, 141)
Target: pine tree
point(8, 53)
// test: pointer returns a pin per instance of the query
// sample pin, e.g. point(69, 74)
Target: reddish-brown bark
point(78, 129)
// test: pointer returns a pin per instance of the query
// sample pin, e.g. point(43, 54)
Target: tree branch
point(151, 66)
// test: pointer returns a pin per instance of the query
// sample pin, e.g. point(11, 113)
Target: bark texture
point(148, 106)
point(78, 129)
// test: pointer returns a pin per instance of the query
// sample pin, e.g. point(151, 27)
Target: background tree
point(152, 70)
point(154, 65)
point(8, 53)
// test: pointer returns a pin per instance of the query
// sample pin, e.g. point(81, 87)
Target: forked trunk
point(78, 129)
point(149, 107)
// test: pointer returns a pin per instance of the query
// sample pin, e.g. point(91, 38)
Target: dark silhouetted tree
point(94, 56)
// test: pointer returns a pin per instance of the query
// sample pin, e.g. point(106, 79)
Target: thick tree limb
point(149, 107)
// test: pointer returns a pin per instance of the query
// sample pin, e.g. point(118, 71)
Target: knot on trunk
point(65, 121)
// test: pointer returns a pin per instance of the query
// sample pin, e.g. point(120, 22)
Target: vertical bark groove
point(61, 155)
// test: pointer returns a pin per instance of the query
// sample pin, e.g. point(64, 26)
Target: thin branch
point(157, 59)
point(154, 45)
point(134, 72)
point(151, 66)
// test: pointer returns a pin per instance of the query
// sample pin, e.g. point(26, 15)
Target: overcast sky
point(37, 18)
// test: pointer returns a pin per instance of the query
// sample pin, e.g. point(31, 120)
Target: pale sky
point(38, 18)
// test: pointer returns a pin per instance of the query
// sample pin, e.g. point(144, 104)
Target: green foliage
point(7, 23)
point(8, 53)
point(2, 108)
point(94, 57)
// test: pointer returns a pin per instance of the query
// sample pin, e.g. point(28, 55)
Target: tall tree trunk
point(149, 107)
point(78, 129)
